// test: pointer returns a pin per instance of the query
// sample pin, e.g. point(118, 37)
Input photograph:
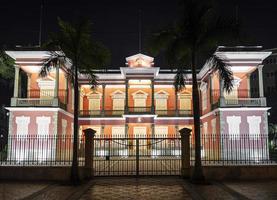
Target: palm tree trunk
point(74, 168)
point(197, 175)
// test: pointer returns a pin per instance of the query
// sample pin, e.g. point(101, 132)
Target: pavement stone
point(256, 190)
point(132, 188)
point(19, 190)
point(145, 188)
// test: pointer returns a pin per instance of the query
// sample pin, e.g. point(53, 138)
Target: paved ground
point(159, 188)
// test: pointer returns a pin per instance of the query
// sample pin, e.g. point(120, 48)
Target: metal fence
point(137, 156)
point(38, 150)
point(236, 149)
point(122, 155)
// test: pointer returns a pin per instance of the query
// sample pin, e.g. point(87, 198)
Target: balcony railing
point(241, 102)
point(174, 113)
point(245, 102)
point(99, 113)
point(137, 110)
point(37, 102)
point(39, 94)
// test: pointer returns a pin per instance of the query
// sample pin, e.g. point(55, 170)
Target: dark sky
point(115, 22)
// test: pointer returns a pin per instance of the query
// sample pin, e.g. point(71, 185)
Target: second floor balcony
point(135, 111)
point(41, 98)
point(241, 98)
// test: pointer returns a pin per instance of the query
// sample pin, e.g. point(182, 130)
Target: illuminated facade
point(138, 100)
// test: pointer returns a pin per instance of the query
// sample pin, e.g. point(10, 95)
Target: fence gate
point(137, 156)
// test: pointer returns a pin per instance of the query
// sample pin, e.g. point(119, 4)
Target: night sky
point(115, 22)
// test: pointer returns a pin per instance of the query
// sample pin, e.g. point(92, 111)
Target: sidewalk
point(148, 188)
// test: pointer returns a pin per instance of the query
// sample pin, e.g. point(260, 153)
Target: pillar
point(261, 84)
point(56, 92)
point(185, 152)
point(66, 89)
point(153, 130)
point(16, 81)
point(102, 131)
point(103, 99)
point(126, 95)
point(152, 96)
point(29, 85)
point(126, 130)
point(211, 89)
point(221, 93)
point(176, 130)
point(176, 103)
point(248, 86)
point(89, 151)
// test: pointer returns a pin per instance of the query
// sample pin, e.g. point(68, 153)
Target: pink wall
point(32, 127)
point(244, 126)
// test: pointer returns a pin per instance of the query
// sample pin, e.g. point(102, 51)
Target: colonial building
point(138, 100)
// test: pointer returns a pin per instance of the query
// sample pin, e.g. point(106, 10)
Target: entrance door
point(140, 132)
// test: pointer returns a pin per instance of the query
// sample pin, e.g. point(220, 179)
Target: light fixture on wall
point(139, 119)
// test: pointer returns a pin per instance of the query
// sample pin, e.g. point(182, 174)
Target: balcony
point(100, 113)
point(135, 111)
point(139, 110)
point(241, 98)
point(45, 98)
point(241, 102)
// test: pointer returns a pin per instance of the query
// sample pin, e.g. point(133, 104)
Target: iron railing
point(235, 149)
point(117, 113)
point(121, 155)
point(39, 150)
point(139, 110)
point(137, 156)
point(37, 93)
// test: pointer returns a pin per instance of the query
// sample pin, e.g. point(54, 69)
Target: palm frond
point(224, 69)
point(179, 80)
point(54, 59)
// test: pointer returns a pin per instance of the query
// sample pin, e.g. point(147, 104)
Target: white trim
point(209, 113)
point(43, 123)
point(22, 125)
point(243, 108)
point(141, 96)
point(233, 109)
point(254, 124)
point(135, 116)
point(173, 118)
point(39, 109)
point(233, 125)
point(161, 94)
point(118, 94)
point(95, 119)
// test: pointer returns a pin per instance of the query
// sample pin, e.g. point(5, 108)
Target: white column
point(16, 81)
point(29, 85)
point(102, 131)
point(103, 99)
point(221, 93)
point(261, 84)
point(152, 130)
point(152, 96)
point(56, 92)
point(126, 95)
point(248, 85)
point(126, 130)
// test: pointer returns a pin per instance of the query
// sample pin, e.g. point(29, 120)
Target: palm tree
point(198, 32)
point(75, 49)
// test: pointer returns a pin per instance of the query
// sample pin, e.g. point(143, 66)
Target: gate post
point(185, 152)
point(89, 152)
